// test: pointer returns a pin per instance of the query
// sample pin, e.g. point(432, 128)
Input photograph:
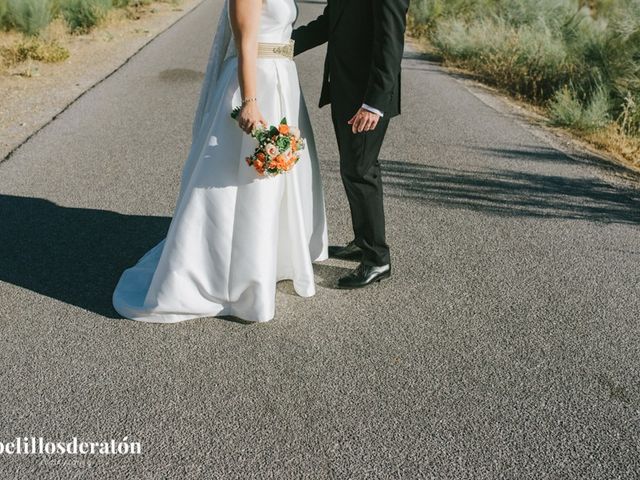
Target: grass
point(566, 110)
point(578, 59)
point(27, 16)
point(31, 17)
point(82, 15)
point(4, 9)
point(37, 30)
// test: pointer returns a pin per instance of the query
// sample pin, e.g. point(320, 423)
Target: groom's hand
point(363, 121)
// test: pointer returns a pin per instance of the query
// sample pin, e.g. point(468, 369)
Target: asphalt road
point(505, 346)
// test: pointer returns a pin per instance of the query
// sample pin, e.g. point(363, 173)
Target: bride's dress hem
point(228, 311)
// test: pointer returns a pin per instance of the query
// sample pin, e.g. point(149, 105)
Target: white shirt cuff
point(372, 110)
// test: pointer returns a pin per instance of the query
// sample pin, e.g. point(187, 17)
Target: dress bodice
point(276, 21)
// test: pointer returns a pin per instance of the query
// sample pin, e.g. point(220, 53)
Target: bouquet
point(277, 150)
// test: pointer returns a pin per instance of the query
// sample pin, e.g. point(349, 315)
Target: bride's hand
point(250, 117)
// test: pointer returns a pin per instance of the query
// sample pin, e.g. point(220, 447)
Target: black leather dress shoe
point(349, 252)
point(364, 275)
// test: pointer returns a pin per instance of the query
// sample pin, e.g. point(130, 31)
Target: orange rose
point(280, 161)
point(261, 156)
point(283, 129)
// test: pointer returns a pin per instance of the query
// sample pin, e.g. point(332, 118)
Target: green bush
point(4, 20)
point(567, 110)
point(131, 3)
point(29, 16)
point(56, 8)
point(82, 15)
point(583, 61)
point(527, 59)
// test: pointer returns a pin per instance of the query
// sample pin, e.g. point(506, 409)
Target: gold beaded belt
point(276, 50)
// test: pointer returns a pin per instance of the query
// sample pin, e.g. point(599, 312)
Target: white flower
point(271, 150)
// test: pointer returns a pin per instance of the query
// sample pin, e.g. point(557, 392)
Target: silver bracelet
point(250, 99)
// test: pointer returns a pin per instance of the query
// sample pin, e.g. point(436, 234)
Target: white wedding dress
point(234, 234)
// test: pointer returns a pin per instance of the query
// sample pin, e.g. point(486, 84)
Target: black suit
point(365, 46)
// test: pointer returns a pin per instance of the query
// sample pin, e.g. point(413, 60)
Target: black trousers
point(361, 176)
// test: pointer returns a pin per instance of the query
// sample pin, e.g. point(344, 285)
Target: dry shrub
point(33, 49)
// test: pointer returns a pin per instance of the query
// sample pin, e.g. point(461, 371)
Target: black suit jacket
point(365, 46)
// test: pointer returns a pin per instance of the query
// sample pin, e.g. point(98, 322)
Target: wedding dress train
point(234, 234)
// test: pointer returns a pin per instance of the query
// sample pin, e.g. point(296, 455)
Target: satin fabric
point(235, 234)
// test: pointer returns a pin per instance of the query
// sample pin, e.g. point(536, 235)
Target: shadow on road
point(327, 275)
point(543, 154)
point(75, 255)
point(513, 193)
point(412, 54)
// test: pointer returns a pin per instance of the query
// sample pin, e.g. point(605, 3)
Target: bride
point(235, 234)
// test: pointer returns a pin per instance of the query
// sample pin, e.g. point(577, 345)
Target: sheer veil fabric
point(234, 234)
point(220, 50)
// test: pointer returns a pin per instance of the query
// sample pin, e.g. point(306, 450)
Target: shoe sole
point(355, 257)
point(384, 276)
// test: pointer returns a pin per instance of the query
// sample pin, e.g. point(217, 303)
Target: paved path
point(506, 345)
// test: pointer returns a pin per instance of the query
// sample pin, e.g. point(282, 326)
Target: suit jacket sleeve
point(390, 22)
point(313, 34)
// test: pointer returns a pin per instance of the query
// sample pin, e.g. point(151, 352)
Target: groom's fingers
point(374, 121)
point(363, 121)
point(355, 124)
point(358, 123)
point(367, 123)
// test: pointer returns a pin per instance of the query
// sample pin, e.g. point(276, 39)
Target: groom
point(362, 84)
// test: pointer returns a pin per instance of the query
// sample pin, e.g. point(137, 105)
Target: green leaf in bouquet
point(283, 121)
point(261, 135)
